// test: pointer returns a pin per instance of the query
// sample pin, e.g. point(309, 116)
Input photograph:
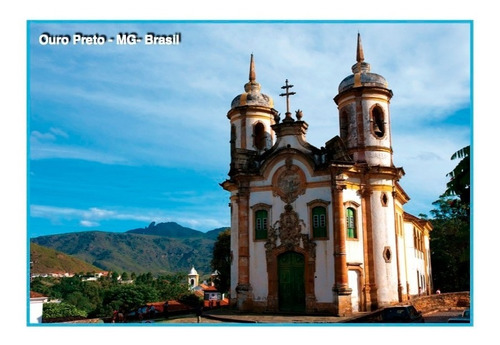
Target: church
point(321, 230)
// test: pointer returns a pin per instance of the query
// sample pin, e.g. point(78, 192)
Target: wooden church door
point(291, 293)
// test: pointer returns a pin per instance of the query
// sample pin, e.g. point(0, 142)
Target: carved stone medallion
point(289, 182)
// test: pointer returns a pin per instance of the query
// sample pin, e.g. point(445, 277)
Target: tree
point(80, 301)
point(145, 278)
point(129, 297)
point(450, 240)
point(172, 287)
point(459, 184)
point(450, 245)
point(221, 260)
point(66, 286)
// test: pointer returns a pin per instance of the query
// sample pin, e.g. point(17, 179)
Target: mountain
point(213, 234)
point(169, 229)
point(162, 248)
point(46, 260)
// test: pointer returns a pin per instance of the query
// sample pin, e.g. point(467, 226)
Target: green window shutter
point(319, 222)
point(261, 225)
point(351, 223)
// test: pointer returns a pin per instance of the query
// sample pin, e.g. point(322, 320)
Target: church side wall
point(416, 264)
point(427, 264)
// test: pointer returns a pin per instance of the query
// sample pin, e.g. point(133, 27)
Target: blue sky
point(120, 136)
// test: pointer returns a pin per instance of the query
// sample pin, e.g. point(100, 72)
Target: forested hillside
point(164, 248)
point(46, 260)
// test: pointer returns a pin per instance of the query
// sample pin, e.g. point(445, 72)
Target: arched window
point(351, 223)
point(319, 222)
point(233, 138)
point(261, 224)
point(259, 136)
point(344, 125)
point(378, 123)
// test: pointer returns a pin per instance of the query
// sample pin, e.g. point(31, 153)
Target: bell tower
point(365, 127)
point(364, 117)
point(193, 278)
point(251, 117)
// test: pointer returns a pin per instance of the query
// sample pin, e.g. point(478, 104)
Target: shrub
point(61, 311)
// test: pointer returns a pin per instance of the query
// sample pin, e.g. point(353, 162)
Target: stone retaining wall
point(443, 301)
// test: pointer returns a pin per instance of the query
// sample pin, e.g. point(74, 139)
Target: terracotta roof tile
point(34, 294)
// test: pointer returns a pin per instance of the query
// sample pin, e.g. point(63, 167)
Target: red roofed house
point(211, 296)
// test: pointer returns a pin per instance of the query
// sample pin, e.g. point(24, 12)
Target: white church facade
point(321, 229)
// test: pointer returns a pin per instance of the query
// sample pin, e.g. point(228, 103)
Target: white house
point(36, 307)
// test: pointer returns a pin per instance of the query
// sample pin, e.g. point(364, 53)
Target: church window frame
point(232, 140)
point(384, 199)
point(378, 122)
point(387, 254)
point(418, 242)
point(351, 220)
point(344, 124)
point(352, 231)
point(319, 224)
point(259, 136)
point(400, 225)
point(261, 217)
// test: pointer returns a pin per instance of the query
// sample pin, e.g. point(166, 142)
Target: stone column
point(341, 290)
point(244, 288)
point(370, 287)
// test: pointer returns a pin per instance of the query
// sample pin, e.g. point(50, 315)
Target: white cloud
point(46, 150)
point(94, 217)
point(59, 132)
point(37, 136)
point(88, 224)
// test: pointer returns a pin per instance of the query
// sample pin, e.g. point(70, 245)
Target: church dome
point(361, 74)
point(252, 94)
point(193, 272)
point(365, 79)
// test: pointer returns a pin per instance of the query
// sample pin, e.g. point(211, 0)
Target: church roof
point(421, 222)
point(193, 272)
point(252, 94)
point(361, 73)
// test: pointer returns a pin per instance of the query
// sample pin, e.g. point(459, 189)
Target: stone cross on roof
point(287, 87)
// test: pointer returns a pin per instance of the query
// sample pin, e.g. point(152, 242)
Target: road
point(440, 316)
point(434, 317)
